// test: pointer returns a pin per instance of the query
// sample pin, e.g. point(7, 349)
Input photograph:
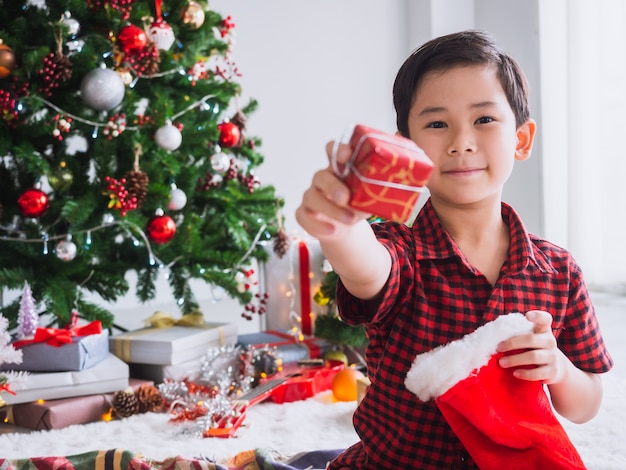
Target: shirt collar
point(434, 242)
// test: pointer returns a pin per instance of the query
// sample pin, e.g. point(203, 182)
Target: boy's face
point(463, 121)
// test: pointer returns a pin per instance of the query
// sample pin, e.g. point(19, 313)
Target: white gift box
point(109, 375)
point(171, 345)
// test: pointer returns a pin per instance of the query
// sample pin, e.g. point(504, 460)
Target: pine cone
point(137, 185)
point(63, 67)
point(239, 120)
point(149, 398)
point(125, 403)
point(281, 243)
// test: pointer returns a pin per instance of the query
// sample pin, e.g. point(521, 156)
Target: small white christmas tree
point(10, 355)
point(27, 317)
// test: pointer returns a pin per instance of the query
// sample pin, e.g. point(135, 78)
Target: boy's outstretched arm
point(345, 236)
point(576, 394)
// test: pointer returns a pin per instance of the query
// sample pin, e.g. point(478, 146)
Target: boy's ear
point(525, 139)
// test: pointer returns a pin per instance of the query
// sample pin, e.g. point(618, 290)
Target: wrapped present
point(60, 413)
point(82, 352)
point(290, 348)
point(386, 173)
point(166, 343)
point(109, 375)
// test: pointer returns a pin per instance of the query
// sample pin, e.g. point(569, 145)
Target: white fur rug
point(288, 429)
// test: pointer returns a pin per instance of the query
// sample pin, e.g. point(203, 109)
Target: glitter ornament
point(66, 249)
point(161, 228)
point(220, 162)
point(193, 15)
point(229, 134)
point(27, 317)
point(161, 34)
point(132, 39)
point(33, 203)
point(168, 137)
point(102, 89)
point(178, 199)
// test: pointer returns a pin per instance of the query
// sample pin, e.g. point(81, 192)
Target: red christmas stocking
point(503, 422)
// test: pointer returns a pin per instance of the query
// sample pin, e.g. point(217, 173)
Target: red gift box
point(385, 174)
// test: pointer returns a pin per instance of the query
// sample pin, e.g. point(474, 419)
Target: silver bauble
point(220, 162)
point(102, 89)
point(178, 200)
point(168, 137)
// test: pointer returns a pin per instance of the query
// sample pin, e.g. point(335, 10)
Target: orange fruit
point(344, 384)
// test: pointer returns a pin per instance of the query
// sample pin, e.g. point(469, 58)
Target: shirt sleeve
point(398, 240)
point(580, 338)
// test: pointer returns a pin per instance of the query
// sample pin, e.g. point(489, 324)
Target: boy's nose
point(461, 142)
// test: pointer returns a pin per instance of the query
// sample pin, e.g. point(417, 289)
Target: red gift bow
point(59, 336)
point(6, 388)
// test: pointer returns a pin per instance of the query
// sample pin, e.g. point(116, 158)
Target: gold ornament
point(193, 15)
point(127, 77)
point(61, 178)
point(7, 60)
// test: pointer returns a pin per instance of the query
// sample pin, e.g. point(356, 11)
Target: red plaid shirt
point(435, 296)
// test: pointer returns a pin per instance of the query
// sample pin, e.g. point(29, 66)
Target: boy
point(466, 259)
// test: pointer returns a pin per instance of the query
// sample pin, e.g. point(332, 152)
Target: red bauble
point(161, 229)
point(229, 134)
point(132, 39)
point(33, 203)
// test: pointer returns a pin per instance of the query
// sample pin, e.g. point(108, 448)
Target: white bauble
point(66, 250)
point(168, 137)
point(220, 162)
point(178, 200)
point(102, 89)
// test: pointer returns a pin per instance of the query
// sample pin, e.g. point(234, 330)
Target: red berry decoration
point(161, 229)
point(132, 39)
point(229, 134)
point(33, 203)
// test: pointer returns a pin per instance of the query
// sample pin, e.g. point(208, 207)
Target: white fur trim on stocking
point(434, 372)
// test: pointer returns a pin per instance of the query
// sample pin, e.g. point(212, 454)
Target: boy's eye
point(437, 125)
point(484, 120)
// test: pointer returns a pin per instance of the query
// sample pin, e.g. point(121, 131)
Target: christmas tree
point(124, 147)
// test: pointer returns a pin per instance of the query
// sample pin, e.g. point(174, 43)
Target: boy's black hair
point(471, 47)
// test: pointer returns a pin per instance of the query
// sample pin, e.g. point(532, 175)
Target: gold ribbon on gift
point(159, 320)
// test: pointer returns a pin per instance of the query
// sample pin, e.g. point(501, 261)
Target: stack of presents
point(74, 382)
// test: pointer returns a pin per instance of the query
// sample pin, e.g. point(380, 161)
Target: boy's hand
point(324, 212)
point(540, 359)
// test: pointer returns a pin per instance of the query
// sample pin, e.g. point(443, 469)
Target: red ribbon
point(305, 287)
point(60, 336)
point(5, 388)
point(157, 7)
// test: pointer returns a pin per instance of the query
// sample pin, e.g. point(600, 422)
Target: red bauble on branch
point(132, 39)
point(229, 134)
point(161, 228)
point(33, 202)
